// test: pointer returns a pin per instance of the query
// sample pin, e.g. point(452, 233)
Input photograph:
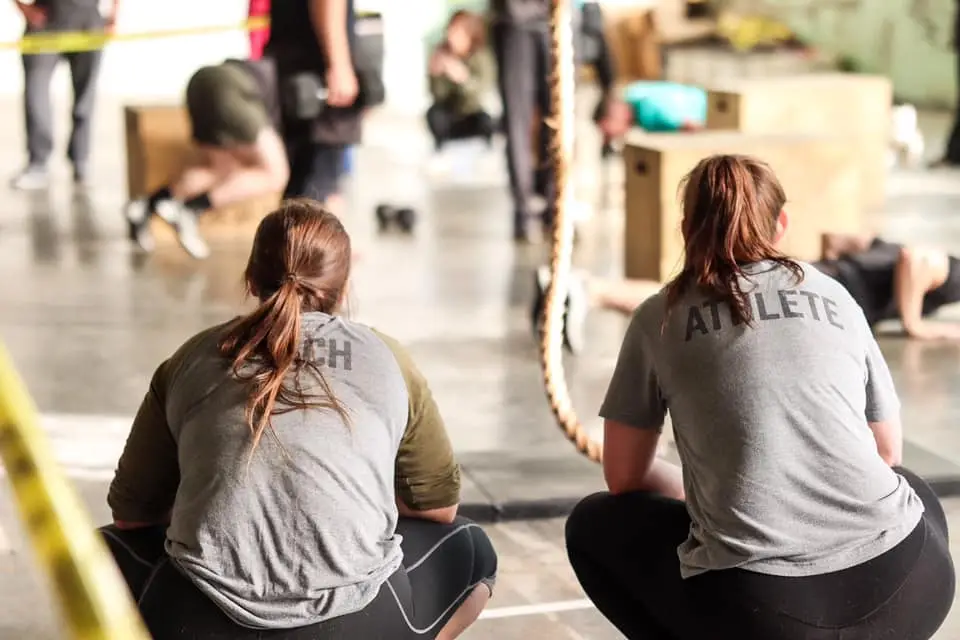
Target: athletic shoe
point(185, 222)
point(32, 178)
point(138, 215)
point(576, 308)
point(541, 281)
point(575, 319)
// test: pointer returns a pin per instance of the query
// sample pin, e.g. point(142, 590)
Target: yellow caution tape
point(93, 596)
point(73, 41)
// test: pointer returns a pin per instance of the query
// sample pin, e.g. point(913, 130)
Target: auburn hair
point(731, 206)
point(300, 262)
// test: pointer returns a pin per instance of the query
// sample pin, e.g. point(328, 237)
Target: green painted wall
point(908, 40)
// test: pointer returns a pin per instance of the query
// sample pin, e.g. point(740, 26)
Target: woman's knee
point(588, 517)
point(480, 547)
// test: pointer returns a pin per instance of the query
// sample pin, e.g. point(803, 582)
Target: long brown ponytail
point(731, 205)
point(300, 261)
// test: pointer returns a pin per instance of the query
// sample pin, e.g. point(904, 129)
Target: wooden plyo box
point(857, 107)
point(158, 147)
point(820, 175)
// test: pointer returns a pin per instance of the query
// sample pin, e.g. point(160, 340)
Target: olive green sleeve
point(148, 473)
point(427, 475)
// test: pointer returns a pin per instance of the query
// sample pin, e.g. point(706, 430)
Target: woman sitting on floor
point(459, 70)
point(288, 474)
point(790, 518)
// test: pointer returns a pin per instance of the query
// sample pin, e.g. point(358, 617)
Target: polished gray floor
point(87, 321)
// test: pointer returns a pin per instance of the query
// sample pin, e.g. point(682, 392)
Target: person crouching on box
point(234, 113)
point(656, 107)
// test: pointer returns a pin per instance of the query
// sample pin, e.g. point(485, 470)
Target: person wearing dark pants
point(791, 517)
point(458, 75)
point(317, 38)
point(442, 564)
point(50, 16)
point(520, 41)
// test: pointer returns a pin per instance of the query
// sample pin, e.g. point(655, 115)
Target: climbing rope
point(561, 124)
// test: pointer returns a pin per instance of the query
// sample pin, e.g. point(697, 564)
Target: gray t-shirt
point(305, 528)
point(780, 468)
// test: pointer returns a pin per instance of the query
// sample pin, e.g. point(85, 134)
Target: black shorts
point(226, 107)
point(442, 565)
point(869, 278)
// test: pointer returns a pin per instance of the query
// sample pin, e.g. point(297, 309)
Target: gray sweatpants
point(524, 64)
point(37, 72)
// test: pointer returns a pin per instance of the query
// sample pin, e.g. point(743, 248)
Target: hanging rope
point(561, 124)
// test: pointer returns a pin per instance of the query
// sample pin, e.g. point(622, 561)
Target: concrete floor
point(87, 322)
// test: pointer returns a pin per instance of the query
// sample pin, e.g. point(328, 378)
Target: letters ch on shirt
point(783, 304)
point(332, 353)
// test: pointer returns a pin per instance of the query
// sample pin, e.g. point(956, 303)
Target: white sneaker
point(138, 215)
point(32, 178)
point(185, 223)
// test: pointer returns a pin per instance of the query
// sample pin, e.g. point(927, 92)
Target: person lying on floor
point(288, 474)
point(790, 518)
point(235, 117)
point(889, 281)
point(459, 71)
point(654, 106)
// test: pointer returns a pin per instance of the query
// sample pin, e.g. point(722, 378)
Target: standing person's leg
point(515, 53)
point(315, 172)
point(84, 72)
point(546, 172)
point(623, 550)
point(37, 72)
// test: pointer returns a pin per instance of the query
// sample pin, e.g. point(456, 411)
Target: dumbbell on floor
point(403, 217)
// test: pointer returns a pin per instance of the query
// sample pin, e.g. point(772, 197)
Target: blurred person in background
point(235, 118)
point(49, 17)
point(317, 38)
point(520, 39)
point(458, 72)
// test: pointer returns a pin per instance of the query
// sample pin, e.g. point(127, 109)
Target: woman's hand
point(35, 16)
point(437, 64)
point(617, 119)
point(456, 70)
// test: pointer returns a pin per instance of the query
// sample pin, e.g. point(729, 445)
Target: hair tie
point(291, 277)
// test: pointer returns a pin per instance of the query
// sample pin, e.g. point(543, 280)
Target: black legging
point(624, 552)
point(442, 564)
point(446, 124)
